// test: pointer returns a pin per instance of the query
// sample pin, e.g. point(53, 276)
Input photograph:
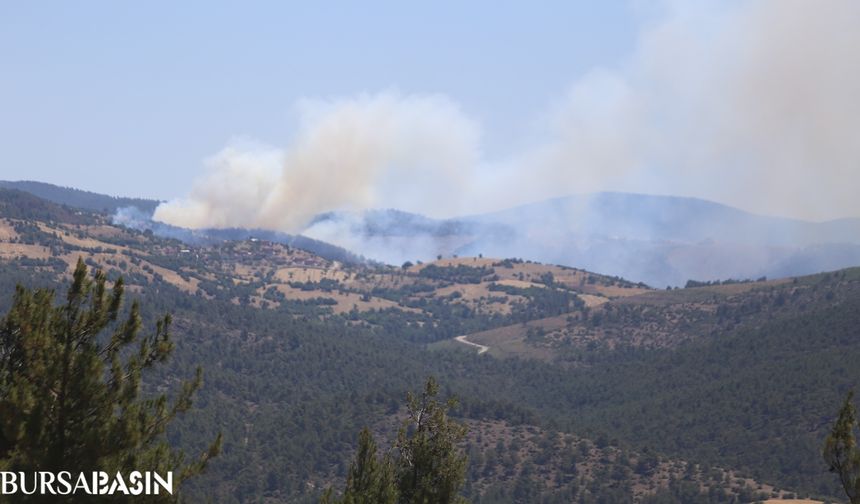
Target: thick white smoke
point(753, 104)
point(401, 151)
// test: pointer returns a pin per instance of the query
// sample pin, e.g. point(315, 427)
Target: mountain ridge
point(659, 240)
point(656, 239)
point(79, 198)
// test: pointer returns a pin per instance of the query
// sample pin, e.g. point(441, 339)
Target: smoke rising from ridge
point(753, 104)
point(349, 154)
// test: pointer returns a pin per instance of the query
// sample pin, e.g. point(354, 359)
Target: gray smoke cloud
point(753, 104)
point(349, 154)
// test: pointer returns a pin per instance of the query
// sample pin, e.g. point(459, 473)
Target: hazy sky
point(130, 97)
point(264, 113)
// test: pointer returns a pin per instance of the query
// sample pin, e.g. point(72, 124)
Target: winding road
point(481, 348)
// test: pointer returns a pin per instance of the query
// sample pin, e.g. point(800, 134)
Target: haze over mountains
point(656, 239)
point(659, 240)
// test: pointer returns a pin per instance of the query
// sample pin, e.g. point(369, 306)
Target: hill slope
point(79, 199)
point(613, 392)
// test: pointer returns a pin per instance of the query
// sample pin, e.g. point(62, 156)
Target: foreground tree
point(371, 477)
point(841, 451)
point(431, 467)
point(70, 385)
point(428, 467)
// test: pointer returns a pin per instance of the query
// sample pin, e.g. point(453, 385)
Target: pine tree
point(370, 479)
point(841, 451)
point(431, 466)
point(428, 467)
point(70, 386)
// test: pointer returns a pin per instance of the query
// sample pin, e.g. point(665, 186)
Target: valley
point(575, 386)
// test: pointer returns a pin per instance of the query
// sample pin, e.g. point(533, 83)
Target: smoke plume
point(753, 104)
point(404, 151)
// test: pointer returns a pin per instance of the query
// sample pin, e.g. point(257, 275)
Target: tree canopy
point(70, 384)
point(427, 465)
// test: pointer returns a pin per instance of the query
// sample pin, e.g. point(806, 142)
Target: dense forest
point(77, 198)
point(607, 391)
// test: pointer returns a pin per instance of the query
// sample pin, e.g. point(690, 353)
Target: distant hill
point(661, 240)
point(41, 201)
point(669, 219)
point(15, 204)
point(133, 218)
point(80, 199)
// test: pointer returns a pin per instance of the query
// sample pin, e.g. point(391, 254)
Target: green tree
point(370, 479)
point(431, 468)
point(841, 452)
point(428, 467)
point(70, 386)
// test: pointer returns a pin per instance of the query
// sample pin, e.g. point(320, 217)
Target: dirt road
point(481, 348)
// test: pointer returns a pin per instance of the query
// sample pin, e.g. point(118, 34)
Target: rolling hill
point(658, 240)
point(77, 198)
point(594, 388)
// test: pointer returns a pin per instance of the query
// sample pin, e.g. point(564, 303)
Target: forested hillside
point(79, 199)
point(594, 389)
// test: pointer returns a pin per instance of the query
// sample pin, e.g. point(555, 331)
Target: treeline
point(80, 199)
point(460, 273)
point(15, 204)
point(728, 281)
